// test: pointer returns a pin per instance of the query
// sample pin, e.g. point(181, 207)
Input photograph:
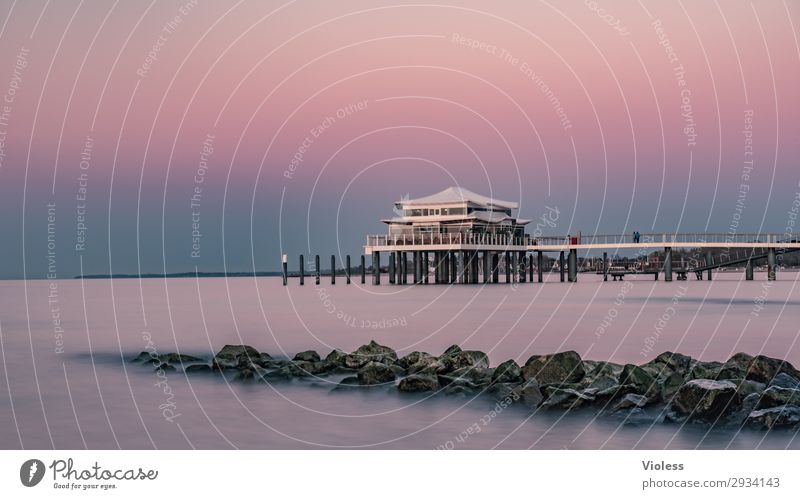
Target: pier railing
point(447, 239)
point(683, 238)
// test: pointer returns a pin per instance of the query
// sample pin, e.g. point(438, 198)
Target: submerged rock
point(776, 396)
point(418, 383)
point(784, 416)
point(630, 401)
point(197, 368)
point(565, 398)
point(308, 356)
point(784, 380)
point(529, 393)
point(705, 400)
point(375, 373)
point(557, 368)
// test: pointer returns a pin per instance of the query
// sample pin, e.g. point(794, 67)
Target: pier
point(459, 237)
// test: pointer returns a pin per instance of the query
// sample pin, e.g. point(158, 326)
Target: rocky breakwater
point(752, 391)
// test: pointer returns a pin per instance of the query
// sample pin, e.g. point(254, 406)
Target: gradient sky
point(410, 98)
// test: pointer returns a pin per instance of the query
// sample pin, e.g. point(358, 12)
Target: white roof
point(458, 195)
point(479, 215)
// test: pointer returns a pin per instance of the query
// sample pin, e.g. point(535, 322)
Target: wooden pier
point(483, 259)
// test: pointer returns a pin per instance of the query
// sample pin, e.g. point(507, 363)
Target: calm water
point(83, 395)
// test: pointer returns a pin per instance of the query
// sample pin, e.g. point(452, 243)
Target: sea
point(67, 381)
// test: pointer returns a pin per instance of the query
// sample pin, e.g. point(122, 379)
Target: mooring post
point(748, 270)
point(333, 269)
point(667, 264)
point(316, 270)
point(530, 267)
point(285, 268)
point(561, 265)
point(302, 271)
point(539, 265)
point(391, 268)
point(363, 269)
point(376, 267)
point(347, 269)
point(771, 264)
point(573, 265)
point(605, 266)
point(709, 262)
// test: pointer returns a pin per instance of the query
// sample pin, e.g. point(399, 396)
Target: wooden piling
point(347, 269)
point(333, 269)
point(302, 271)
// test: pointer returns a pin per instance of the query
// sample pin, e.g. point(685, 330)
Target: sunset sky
point(625, 115)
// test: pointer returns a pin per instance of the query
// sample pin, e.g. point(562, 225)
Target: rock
point(563, 367)
point(233, 356)
point(762, 368)
point(784, 416)
point(775, 396)
point(705, 370)
point(414, 357)
point(336, 357)
point(197, 368)
point(675, 361)
point(308, 356)
point(373, 352)
point(637, 416)
point(595, 369)
point(614, 392)
point(165, 367)
point(375, 373)
point(451, 380)
point(748, 405)
point(705, 400)
point(418, 383)
point(452, 350)
point(645, 383)
point(565, 398)
point(479, 376)
point(465, 358)
point(348, 383)
point(144, 357)
point(784, 380)
point(507, 372)
point(503, 391)
point(458, 391)
point(602, 382)
point(178, 358)
point(529, 393)
point(630, 401)
point(671, 384)
point(745, 387)
point(427, 365)
point(399, 372)
point(233, 351)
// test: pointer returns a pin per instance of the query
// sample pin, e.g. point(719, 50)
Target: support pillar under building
point(392, 271)
point(748, 270)
point(573, 265)
point(605, 266)
point(771, 264)
point(539, 266)
point(561, 265)
point(709, 262)
point(376, 268)
point(667, 264)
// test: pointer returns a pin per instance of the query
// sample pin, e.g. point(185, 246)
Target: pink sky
point(427, 96)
